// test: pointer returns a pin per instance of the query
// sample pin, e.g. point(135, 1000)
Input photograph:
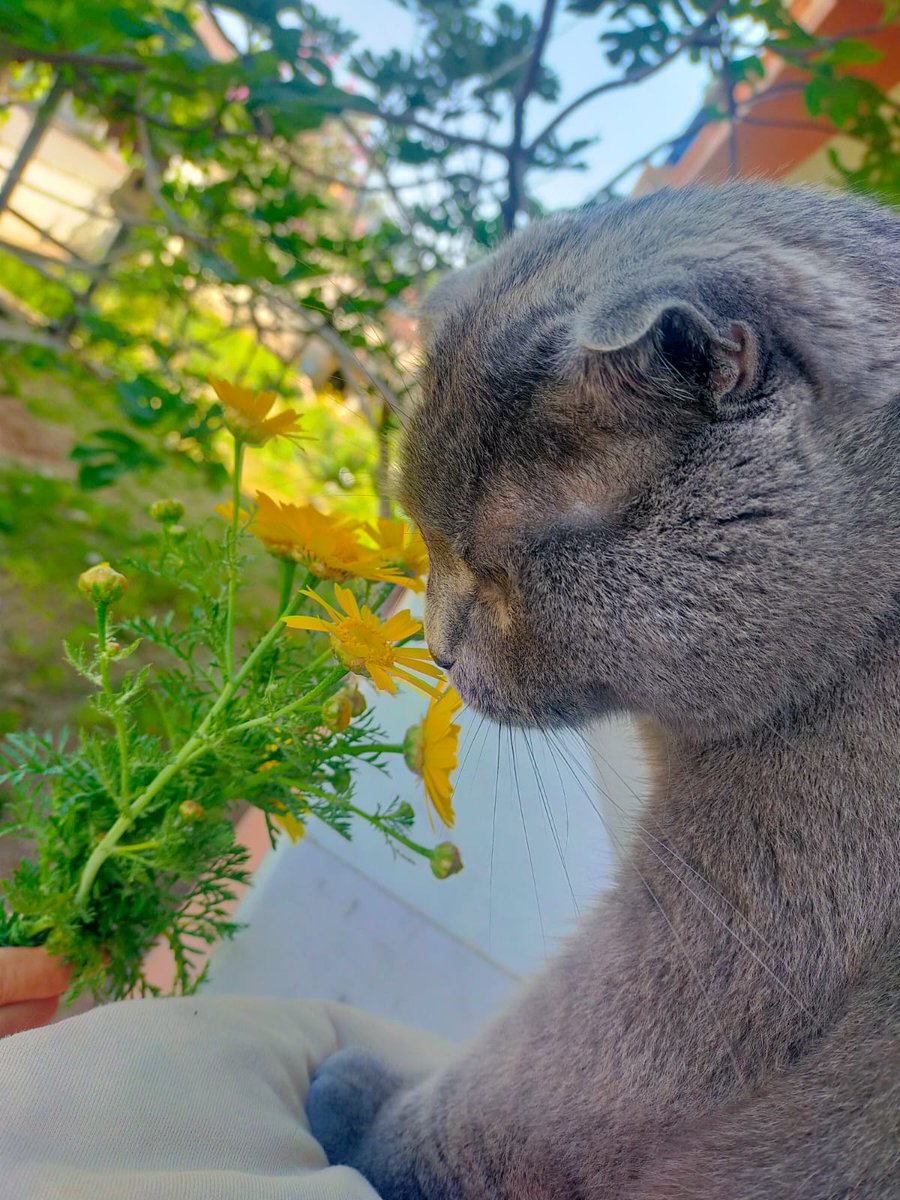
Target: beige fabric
point(188, 1099)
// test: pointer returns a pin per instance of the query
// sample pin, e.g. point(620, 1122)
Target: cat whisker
point(545, 802)
point(740, 941)
point(493, 842)
point(692, 967)
point(537, 899)
point(484, 741)
point(470, 742)
point(666, 846)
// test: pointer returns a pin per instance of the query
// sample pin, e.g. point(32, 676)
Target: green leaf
point(111, 454)
point(851, 52)
point(132, 25)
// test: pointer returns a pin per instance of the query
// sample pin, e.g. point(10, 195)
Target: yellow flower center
point(414, 749)
point(253, 432)
point(357, 645)
point(332, 570)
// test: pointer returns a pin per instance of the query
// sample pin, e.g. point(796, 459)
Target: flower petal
point(424, 668)
point(347, 601)
point(382, 679)
point(315, 623)
point(419, 684)
point(332, 612)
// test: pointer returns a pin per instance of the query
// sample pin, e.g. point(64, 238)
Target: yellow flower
point(328, 545)
point(292, 826)
point(246, 414)
point(401, 545)
point(364, 643)
point(431, 750)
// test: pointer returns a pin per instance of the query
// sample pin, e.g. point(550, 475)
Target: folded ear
point(670, 339)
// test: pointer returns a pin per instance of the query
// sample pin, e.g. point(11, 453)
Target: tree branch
point(381, 168)
point(409, 121)
point(58, 58)
point(154, 180)
point(32, 139)
point(640, 161)
point(347, 357)
point(516, 154)
point(698, 34)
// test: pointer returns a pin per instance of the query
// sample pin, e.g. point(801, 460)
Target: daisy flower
point(431, 751)
point(403, 547)
point(328, 545)
point(246, 414)
point(363, 642)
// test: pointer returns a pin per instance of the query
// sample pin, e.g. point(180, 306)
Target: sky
point(629, 122)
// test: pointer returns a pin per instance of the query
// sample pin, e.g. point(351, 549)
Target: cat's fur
point(657, 464)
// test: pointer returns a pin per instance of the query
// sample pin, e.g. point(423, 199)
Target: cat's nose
point(444, 663)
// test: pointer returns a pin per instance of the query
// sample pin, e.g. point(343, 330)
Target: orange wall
point(790, 135)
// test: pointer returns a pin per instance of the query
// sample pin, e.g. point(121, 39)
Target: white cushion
point(187, 1099)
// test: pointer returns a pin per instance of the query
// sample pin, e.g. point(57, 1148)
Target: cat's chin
point(544, 712)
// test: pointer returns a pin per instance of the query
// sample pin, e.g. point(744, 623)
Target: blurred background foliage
point(244, 188)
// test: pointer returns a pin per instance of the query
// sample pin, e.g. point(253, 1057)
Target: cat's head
point(656, 462)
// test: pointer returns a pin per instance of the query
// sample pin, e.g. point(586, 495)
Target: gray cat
point(657, 465)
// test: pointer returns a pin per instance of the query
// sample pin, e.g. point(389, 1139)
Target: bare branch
point(346, 355)
point(409, 121)
point(640, 161)
point(534, 65)
point(32, 140)
point(698, 34)
point(153, 179)
point(516, 154)
point(58, 58)
point(377, 163)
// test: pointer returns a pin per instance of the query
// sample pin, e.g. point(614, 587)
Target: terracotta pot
point(31, 983)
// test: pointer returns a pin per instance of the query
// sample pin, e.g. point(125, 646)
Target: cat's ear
point(452, 291)
point(664, 334)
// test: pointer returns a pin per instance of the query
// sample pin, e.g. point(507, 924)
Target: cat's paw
point(345, 1096)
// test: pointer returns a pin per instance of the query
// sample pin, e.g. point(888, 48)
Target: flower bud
point(166, 511)
point(341, 778)
point(190, 810)
point(404, 813)
point(446, 860)
point(113, 647)
point(337, 712)
point(414, 749)
point(101, 584)
point(357, 701)
point(176, 532)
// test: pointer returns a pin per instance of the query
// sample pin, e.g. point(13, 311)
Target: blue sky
point(629, 122)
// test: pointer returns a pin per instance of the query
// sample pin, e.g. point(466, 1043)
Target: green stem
point(231, 548)
point(325, 686)
point(164, 718)
point(192, 748)
point(135, 847)
point(107, 844)
point(398, 837)
point(288, 569)
point(376, 748)
point(118, 718)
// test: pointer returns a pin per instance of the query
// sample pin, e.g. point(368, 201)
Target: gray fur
point(657, 464)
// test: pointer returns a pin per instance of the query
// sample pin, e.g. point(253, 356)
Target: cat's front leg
point(363, 1117)
point(446, 1139)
